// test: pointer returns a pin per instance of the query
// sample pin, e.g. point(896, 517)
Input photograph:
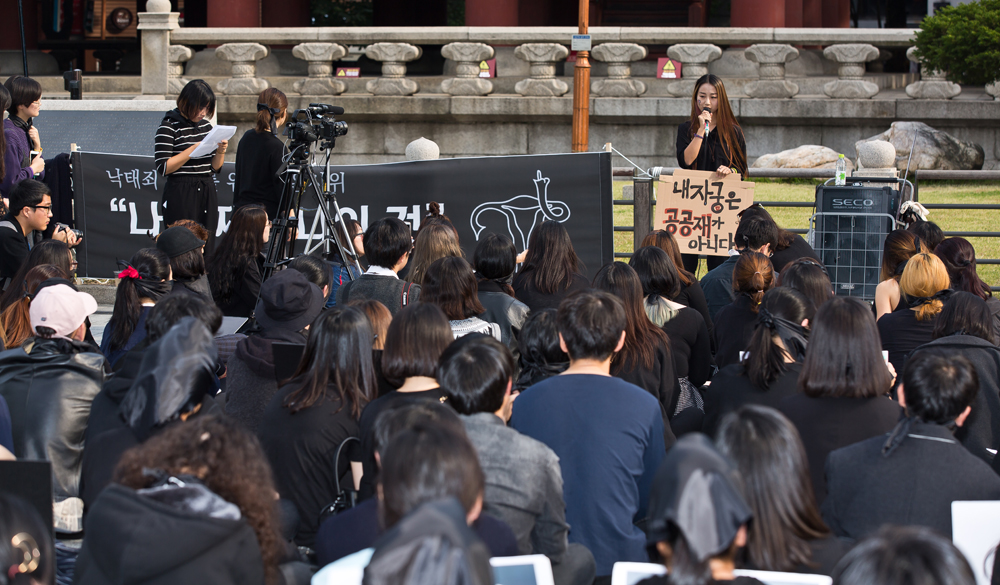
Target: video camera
point(317, 122)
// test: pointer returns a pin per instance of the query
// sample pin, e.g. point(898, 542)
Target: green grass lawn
point(930, 192)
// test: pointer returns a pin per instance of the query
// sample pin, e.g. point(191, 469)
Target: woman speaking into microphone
point(711, 140)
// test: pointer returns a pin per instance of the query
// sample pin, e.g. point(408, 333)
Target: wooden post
point(642, 221)
point(581, 88)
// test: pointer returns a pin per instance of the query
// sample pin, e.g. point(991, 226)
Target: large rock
point(933, 149)
point(809, 156)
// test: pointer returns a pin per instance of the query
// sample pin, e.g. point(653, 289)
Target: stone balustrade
point(619, 57)
point(320, 57)
point(179, 55)
point(244, 57)
point(695, 58)
point(933, 84)
point(467, 57)
point(851, 82)
point(772, 82)
point(394, 57)
point(543, 58)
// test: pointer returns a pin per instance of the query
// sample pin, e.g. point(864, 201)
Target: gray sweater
point(391, 292)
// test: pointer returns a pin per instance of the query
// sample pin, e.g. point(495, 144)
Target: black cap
point(177, 240)
point(288, 301)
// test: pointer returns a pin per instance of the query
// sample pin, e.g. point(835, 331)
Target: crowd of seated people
point(378, 426)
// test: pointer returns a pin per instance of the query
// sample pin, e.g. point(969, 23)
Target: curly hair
point(227, 459)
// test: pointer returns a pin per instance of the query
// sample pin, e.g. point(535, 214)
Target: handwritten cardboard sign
point(700, 209)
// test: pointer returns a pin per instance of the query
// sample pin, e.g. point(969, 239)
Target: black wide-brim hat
point(288, 301)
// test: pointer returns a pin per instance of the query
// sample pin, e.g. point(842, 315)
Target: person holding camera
point(190, 191)
point(21, 228)
point(259, 155)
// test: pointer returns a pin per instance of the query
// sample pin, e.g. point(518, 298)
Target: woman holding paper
point(190, 190)
point(711, 140)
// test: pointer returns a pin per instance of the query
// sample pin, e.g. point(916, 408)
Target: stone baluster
point(467, 56)
point(772, 82)
point(394, 57)
point(852, 59)
point(542, 58)
point(695, 59)
point(244, 57)
point(933, 84)
point(619, 82)
point(320, 57)
point(179, 55)
point(156, 24)
point(994, 89)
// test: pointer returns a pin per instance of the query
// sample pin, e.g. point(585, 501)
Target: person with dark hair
point(904, 555)
point(198, 500)
point(236, 269)
point(27, 554)
point(753, 276)
point(690, 294)
point(787, 533)
point(924, 286)
point(175, 382)
point(690, 341)
point(694, 476)
point(187, 262)
point(523, 481)
point(551, 269)
point(607, 433)
point(52, 252)
point(913, 474)
point(770, 371)
point(645, 359)
point(315, 270)
point(387, 245)
point(541, 355)
point(21, 227)
point(5, 101)
point(810, 278)
point(964, 328)
point(143, 282)
point(49, 384)
point(344, 271)
point(843, 385)
point(22, 152)
point(450, 284)
point(312, 414)
point(899, 247)
point(190, 191)
point(756, 234)
point(417, 337)
point(358, 528)
point(15, 322)
point(288, 304)
point(789, 247)
point(959, 259)
point(433, 242)
point(259, 155)
point(928, 232)
point(494, 261)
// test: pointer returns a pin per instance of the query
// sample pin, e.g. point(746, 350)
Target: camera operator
point(259, 155)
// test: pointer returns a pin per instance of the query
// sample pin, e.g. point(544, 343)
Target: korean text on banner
point(700, 209)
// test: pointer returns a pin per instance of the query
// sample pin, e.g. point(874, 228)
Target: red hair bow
point(129, 272)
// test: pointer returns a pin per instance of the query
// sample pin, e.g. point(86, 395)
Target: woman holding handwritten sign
point(711, 140)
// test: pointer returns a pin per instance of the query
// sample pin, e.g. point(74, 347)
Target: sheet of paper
point(216, 135)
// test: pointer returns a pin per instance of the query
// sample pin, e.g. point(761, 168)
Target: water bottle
point(841, 173)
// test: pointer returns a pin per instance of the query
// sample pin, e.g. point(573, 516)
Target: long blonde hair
point(725, 123)
point(433, 242)
point(924, 277)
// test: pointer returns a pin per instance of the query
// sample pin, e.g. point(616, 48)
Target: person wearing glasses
point(21, 228)
point(22, 152)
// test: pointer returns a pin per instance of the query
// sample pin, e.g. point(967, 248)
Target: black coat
point(731, 389)
point(734, 325)
point(244, 300)
point(104, 414)
point(901, 333)
point(526, 292)
point(827, 424)
point(690, 345)
point(799, 248)
point(915, 483)
point(692, 296)
point(504, 310)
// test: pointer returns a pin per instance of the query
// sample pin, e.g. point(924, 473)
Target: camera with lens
point(317, 122)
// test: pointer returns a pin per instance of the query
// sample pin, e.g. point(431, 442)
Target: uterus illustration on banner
point(523, 213)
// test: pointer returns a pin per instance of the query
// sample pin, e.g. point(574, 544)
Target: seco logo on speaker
point(853, 202)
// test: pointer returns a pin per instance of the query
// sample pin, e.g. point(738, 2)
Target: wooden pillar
point(581, 89)
point(290, 13)
point(793, 13)
point(836, 13)
point(642, 221)
point(812, 13)
point(234, 13)
point(764, 13)
point(491, 12)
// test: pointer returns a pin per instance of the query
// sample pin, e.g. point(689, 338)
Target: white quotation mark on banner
point(523, 210)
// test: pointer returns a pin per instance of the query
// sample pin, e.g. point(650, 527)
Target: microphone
point(709, 110)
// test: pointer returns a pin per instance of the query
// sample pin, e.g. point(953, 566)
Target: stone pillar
point(244, 57)
point(467, 56)
point(320, 57)
point(179, 55)
point(772, 82)
point(394, 57)
point(852, 59)
point(542, 58)
point(619, 82)
point(156, 24)
point(933, 84)
point(695, 59)
point(994, 89)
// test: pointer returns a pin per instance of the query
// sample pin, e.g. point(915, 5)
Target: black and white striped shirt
point(175, 135)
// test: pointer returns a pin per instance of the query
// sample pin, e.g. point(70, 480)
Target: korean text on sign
point(700, 209)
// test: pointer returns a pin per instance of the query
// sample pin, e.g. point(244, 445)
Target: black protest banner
point(118, 200)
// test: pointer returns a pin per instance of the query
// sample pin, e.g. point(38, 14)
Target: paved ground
point(99, 319)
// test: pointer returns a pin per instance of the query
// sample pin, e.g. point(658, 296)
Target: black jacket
point(691, 346)
point(257, 161)
point(718, 287)
point(693, 296)
point(901, 333)
point(731, 389)
point(504, 310)
point(13, 249)
point(49, 385)
point(243, 302)
point(799, 248)
point(734, 325)
point(104, 410)
point(163, 539)
point(391, 292)
point(712, 154)
point(871, 484)
point(535, 300)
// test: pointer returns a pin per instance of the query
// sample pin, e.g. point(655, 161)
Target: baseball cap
point(60, 308)
point(177, 240)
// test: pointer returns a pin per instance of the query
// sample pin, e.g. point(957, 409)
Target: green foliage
point(963, 40)
point(341, 12)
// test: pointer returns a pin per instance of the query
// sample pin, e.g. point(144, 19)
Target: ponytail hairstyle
point(725, 124)
point(5, 102)
point(959, 259)
point(753, 276)
point(16, 321)
point(494, 260)
point(271, 105)
point(145, 276)
point(924, 281)
point(435, 217)
point(900, 246)
point(781, 315)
